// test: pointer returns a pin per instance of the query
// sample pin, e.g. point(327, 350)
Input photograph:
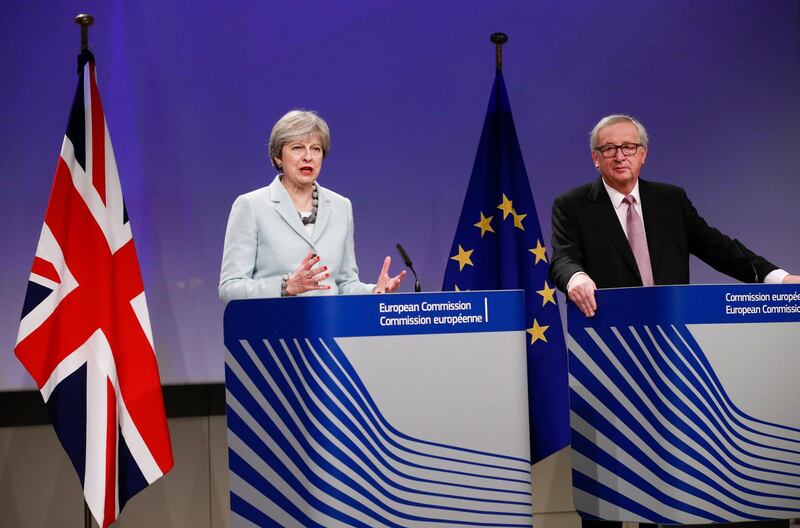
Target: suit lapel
point(607, 218)
point(286, 209)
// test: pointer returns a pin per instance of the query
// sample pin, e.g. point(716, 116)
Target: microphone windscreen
point(404, 255)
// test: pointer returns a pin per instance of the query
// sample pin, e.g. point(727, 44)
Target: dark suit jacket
point(587, 236)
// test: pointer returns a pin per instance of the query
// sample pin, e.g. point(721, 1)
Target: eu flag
point(499, 246)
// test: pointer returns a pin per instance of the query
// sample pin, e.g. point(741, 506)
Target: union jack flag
point(85, 331)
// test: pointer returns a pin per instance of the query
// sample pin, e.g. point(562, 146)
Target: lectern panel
point(684, 404)
point(380, 410)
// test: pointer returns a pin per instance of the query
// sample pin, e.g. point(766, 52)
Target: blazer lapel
point(286, 209)
point(607, 218)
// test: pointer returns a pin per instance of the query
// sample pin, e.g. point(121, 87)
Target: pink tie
point(638, 242)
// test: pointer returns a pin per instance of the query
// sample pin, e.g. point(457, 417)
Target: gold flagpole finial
point(499, 39)
point(84, 21)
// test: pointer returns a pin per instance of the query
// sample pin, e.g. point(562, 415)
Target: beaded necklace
point(310, 219)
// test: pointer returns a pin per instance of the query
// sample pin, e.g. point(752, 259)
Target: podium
point(378, 410)
point(685, 404)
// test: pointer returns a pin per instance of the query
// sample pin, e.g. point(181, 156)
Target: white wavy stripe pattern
point(656, 438)
point(309, 447)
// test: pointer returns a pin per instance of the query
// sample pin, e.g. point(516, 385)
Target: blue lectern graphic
point(685, 404)
point(403, 410)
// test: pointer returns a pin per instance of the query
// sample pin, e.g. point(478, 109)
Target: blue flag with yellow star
point(498, 246)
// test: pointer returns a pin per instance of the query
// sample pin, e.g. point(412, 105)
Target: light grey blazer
point(266, 239)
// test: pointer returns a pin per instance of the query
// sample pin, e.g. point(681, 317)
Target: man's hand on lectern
point(581, 291)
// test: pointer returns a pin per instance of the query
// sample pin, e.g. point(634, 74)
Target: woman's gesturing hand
point(387, 284)
point(306, 277)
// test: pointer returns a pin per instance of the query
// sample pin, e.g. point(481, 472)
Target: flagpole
point(84, 21)
point(499, 39)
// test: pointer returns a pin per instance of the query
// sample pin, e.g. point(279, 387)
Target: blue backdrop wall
point(192, 88)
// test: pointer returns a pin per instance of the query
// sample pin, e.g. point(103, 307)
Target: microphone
point(740, 248)
point(410, 265)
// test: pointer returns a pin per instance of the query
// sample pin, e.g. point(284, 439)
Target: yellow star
point(457, 288)
point(540, 251)
point(507, 207)
point(537, 332)
point(548, 294)
point(463, 257)
point(518, 218)
point(485, 224)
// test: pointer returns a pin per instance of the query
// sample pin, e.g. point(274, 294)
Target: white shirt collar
point(617, 197)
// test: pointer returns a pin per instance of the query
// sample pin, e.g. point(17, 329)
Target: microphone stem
point(417, 286)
